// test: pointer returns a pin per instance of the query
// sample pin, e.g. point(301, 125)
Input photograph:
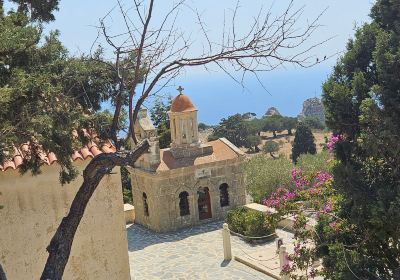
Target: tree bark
point(2, 273)
point(61, 243)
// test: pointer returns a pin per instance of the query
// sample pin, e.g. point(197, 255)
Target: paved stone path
point(192, 253)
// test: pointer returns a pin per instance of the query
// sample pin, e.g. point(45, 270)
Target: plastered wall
point(34, 207)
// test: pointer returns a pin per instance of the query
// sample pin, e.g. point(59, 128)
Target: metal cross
point(180, 89)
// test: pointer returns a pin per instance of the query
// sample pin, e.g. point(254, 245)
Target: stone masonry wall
point(163, 189)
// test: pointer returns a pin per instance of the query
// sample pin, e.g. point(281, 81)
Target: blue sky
point(214, 94)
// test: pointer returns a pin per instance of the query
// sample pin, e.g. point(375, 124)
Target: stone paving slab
point(192, 253)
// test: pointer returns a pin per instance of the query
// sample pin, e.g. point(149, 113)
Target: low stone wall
point(129, 211)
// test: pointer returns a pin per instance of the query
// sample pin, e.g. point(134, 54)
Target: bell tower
point(183, 121)
point(184, 129)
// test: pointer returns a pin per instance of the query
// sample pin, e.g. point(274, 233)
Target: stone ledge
point(129, 211)
point(254, 265)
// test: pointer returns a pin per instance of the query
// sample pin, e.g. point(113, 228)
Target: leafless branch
point(160, 50)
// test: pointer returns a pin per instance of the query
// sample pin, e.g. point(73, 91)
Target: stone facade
point(189, 183)
point(163, 188)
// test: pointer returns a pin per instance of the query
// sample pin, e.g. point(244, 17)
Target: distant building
point(189, 183)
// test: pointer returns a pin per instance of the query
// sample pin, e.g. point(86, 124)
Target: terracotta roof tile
point(221, 151)
point(182, 103)
point(88, 151)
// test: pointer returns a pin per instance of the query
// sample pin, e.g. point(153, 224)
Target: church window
point(184, 204)
point(223, 195)
point(145, 205)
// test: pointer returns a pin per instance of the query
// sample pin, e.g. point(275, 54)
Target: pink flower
point(332, 141)
point(290, 195)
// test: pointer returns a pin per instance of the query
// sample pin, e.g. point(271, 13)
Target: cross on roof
point(180, 89)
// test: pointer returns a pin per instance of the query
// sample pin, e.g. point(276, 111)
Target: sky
point(215, 94)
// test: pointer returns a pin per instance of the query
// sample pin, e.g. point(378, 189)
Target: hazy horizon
point(215, 94)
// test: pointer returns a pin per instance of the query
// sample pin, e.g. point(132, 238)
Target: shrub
point(271, 147)
point(265, 175)
point(303, 142)
point(250, 223)
point(313, 163)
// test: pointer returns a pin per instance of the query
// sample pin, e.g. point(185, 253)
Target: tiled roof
point(182, 103)
point(88, 151)
point(221, 151)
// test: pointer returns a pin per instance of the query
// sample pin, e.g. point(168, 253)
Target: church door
point(204, 203)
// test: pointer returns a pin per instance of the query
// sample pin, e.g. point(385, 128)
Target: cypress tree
point(303, 142)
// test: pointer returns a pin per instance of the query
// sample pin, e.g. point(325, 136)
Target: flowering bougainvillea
point(332, 141)
point(311, 197)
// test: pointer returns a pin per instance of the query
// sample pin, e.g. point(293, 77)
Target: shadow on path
point(139, 237)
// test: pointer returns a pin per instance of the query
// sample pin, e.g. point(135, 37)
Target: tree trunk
point(60, 245)
point(274, 133)
point(2, 273)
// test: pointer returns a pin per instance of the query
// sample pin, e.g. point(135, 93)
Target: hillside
point(283, 139)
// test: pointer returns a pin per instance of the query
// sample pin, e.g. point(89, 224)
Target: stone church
point(190, 182)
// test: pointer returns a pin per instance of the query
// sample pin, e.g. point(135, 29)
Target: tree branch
point(2, 273)
point(61, 243)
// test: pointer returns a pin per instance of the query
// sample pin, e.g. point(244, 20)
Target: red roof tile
point(221, 151)
point(87, 151)
point(182, 103)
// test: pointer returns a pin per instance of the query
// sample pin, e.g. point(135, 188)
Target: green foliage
point(278, 123)
point(126, 185)
point(160, 118)
point(265, 175)
point(250, 223)
point(252, 142)
point(274, 124)
point(37, 10)
point(239, 130)
point(313, 163)
point(289, 124)
point(45, 94)
point(271, 147)
point(362, 102)
point(313, 123)
point(203, 126)
point(164, 134)
point(303, 142)
point(159, 111)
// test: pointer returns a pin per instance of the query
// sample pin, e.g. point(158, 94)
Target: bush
point(271, 147)
point(265, 175)
point(250, 223)
point(303, 142)
point(311, 164)
point(203, 126)
point(314, 123)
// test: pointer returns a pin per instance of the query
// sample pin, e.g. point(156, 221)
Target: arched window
point(184, 204)
point(145, 205)
point(223, 195)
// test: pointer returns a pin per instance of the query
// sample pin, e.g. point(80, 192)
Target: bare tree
point(150, 54)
